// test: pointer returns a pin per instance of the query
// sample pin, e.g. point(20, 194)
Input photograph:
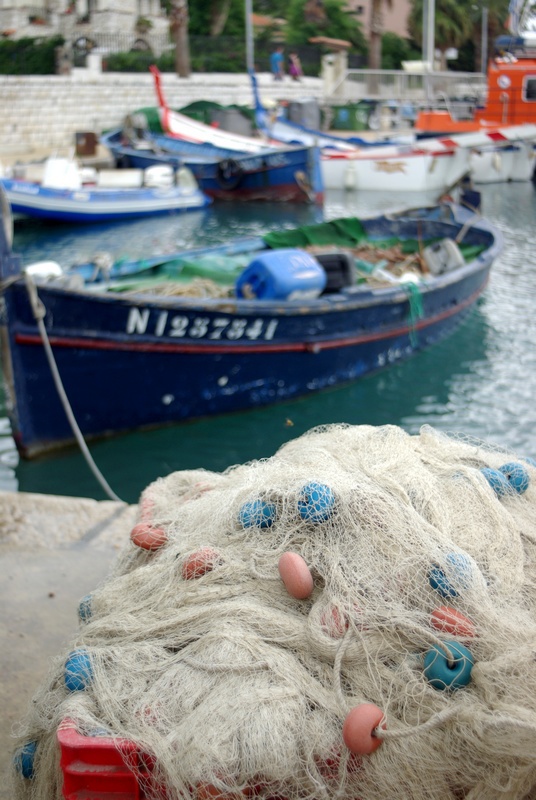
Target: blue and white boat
point(285, 314)
point(289, 173)
point(65, 192)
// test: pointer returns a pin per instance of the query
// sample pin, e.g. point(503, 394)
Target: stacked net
point(352, 618)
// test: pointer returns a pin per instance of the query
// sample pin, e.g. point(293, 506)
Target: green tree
point(308, 18)
point(199, 19)
point(376, 32)
point(272, 8)
point(453, 24)
point(395, 50)
point(215, 17)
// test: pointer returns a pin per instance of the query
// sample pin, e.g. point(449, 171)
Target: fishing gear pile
point(354, 617)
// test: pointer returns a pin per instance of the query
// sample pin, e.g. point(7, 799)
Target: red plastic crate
point(94, 767)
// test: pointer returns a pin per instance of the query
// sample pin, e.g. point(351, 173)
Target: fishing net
point(353, 617)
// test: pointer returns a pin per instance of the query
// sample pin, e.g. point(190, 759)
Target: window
point(529, 89)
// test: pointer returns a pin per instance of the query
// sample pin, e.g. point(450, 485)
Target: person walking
point(276, 64)
point(294, 67)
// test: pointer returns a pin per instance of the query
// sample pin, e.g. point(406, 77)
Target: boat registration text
point(163, 323)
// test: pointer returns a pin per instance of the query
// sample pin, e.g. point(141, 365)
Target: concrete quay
point(42, 113)
point(53, 551)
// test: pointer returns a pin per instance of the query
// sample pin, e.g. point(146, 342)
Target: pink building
point(394, 19)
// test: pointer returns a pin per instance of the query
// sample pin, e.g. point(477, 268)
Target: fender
point(229, 173)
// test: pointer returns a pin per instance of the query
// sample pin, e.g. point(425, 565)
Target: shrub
point(134, 61)
point(29, 56)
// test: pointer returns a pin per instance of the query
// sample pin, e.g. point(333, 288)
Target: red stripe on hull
point(210, 349)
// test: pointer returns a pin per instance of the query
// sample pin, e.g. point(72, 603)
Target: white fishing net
point(201, 652)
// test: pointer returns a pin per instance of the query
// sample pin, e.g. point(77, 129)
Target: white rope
point(39, 312)
point(434, 722)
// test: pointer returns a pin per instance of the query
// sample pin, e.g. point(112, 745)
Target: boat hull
point(135, 362)
point(93, 205)
point(503, 164)
point(286, 174)
point(393, 170)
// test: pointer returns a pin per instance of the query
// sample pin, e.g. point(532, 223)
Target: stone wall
point(42, 112)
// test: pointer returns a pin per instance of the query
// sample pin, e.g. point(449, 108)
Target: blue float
point(497, 480)
point(455, 575)
point(315, 502)
point(257, 514)
point(85, 610)
point(78, 670)
point(24, 760)
point(442, 675)
point(516, 475)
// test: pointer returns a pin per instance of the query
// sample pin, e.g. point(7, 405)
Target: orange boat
point(510, 103)
point(511, 95)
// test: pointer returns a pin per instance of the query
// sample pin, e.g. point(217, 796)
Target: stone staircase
point(43, 113)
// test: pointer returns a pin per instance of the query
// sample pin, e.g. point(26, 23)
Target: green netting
point(342, 232)
point(346, 232)
point(220, 269)
point(200, 110)
point(151, 115)
point(349, 232)
point(416, 309)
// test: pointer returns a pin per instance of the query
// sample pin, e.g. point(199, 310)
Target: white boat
point(398, 167)
point(496, 153)
point(495, 164)
point(183, 127)
point(395, 169)
point(63, 191)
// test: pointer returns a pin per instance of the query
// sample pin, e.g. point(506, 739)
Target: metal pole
point(484, 57)
point(430, 33)
point(425, 31)
point(249, 38)
point(429, 37)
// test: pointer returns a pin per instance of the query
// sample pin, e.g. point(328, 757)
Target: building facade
point(395, 18)
point(140, 24)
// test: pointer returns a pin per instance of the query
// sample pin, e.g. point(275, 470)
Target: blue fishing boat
point(65, 192)
point(240, 325)
point(288, 173)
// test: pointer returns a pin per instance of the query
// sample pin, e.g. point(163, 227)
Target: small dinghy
point(62, 190)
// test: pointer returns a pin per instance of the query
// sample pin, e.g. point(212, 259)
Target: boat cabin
point(511, 91)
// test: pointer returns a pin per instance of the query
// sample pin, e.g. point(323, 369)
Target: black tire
point(229, 174)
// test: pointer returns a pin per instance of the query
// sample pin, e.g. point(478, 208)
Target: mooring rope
point(39, 312)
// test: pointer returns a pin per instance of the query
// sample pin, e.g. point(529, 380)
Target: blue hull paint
point(133, 362)
point(94, 205)
point(271, 175)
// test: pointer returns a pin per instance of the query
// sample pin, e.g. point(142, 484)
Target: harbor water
point(480, 383)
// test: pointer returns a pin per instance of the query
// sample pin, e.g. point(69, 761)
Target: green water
point(480, 382)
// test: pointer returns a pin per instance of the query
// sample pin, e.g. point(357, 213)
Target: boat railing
point(424, 87)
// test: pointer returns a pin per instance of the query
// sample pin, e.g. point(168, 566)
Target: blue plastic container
point(286, 274)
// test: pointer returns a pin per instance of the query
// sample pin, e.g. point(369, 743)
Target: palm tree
point(219, 13)
point(376, 31)
point(453, 24)
point(178, 25)
point(496, 17)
